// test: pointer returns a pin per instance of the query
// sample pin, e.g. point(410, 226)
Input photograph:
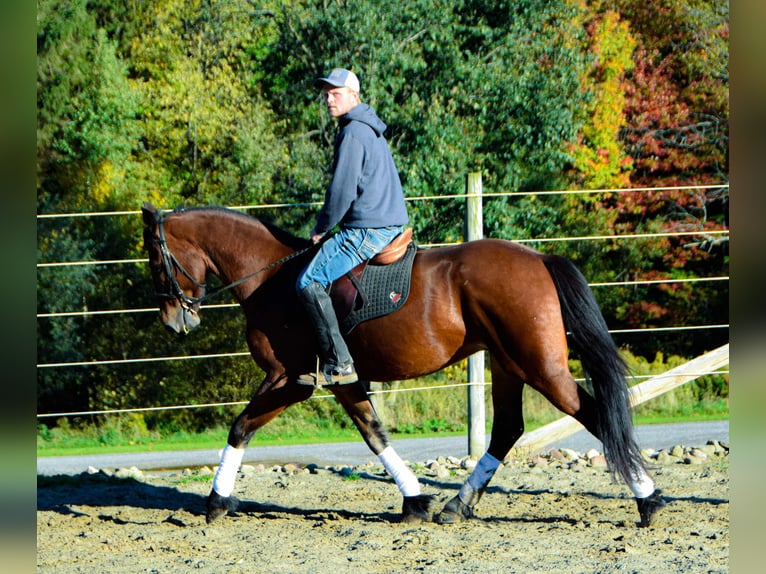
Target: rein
point(169, 262)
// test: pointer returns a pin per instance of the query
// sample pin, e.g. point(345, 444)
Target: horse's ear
point(149, 213)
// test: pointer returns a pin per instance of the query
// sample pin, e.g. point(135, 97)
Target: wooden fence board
point(649, 389)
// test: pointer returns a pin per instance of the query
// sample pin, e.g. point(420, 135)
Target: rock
point(598, 461)
point(693, 459)
point(699, 453)
point(577, 465)
point(649, 453)
point(539, 461)
point(557, 455)
point(663, 457)
point(592, 453)
point(442, 472)
point(132, 472)
point(677, 450)
point(709, 450)
point(570, 454)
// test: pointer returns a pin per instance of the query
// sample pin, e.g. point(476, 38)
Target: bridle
point(169, 264)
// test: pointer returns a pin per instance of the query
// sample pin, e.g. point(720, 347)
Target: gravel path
point(555, 512)
point(416, 449)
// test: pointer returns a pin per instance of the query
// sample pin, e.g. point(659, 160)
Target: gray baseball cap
point(339, 77)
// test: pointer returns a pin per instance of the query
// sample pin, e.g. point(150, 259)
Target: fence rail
point(653, 387)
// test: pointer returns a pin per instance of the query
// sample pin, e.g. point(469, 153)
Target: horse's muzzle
point(180, 320)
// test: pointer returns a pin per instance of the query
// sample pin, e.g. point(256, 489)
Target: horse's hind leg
point(416, 506)
point(507, 427)
point(571, 399)
point(269, 401)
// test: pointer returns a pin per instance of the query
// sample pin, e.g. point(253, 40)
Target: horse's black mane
point(280, 234)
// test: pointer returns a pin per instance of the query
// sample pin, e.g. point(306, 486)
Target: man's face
point(339, 100)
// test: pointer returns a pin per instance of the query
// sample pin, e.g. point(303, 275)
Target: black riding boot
point(337, 366)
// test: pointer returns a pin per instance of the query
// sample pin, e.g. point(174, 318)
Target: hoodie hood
point(365, 114)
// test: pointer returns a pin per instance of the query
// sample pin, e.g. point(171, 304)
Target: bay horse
point(487, 295)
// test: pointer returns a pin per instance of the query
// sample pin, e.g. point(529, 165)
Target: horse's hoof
point(218, 505)
point(454, 511)
point(648, 506)
point(417, 508)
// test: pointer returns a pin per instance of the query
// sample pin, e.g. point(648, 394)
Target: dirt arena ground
point(548, 514)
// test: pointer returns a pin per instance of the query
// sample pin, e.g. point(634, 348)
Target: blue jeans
point(344, 251)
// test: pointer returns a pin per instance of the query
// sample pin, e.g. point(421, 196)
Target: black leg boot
point(337, 366)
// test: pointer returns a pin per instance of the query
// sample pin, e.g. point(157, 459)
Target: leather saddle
point(394, 251)
point(375, 287)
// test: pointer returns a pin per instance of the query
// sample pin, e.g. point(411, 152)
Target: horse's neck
point(239, 248)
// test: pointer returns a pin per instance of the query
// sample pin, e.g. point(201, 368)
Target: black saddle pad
point(382, 289)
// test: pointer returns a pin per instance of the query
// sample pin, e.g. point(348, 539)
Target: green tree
point(85, 131)
point(463, 86)
point(204, 126)
point(85, 135)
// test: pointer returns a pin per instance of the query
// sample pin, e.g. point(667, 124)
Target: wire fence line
point(488, 195)
point(432, 245)
point(247, 353)
point(380, 392)
point(90, 313)
point(87, 313)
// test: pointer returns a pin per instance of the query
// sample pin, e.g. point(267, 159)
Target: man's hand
point(316, 237)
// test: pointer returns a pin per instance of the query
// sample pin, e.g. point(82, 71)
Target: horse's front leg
point(507, 427)
point(416, 506)
point(272, 397)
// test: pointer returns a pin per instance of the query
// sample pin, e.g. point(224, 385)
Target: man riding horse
point(365, 198)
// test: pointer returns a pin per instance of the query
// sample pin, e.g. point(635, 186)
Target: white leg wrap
point(406, 481)
point(642, 486)
point(231, 459)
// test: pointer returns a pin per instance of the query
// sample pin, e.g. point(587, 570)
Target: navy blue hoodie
point(365, 190)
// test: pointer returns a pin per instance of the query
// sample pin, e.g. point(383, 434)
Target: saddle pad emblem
point(395, 297)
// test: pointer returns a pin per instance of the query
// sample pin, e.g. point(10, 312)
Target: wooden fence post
point(474, 229)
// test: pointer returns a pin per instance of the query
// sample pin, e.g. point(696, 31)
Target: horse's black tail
point(602, 364)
